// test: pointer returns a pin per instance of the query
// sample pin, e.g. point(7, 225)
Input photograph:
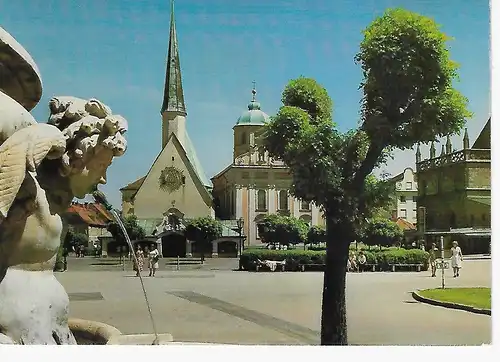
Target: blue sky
point(115, 50)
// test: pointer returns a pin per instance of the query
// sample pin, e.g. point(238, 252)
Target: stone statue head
point(94, 136)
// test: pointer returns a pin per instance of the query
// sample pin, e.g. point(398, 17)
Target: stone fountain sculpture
point(43, 166)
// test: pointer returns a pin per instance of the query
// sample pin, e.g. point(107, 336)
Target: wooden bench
point(364, 267)
point(302, 267)
point(280, 265)
point(372, 267)
point(418, 267)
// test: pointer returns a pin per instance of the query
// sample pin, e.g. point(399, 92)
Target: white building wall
point(407, 192)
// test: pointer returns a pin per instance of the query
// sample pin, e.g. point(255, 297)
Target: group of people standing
point(456, 259)
point(152, 256)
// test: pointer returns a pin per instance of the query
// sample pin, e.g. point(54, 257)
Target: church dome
point(254, 116)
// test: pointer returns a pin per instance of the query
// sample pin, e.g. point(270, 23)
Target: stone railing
point(455, 157)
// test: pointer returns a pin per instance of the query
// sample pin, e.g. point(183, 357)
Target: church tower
point(173, 109)
point(247, 125)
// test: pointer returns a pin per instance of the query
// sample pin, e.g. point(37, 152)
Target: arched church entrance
point(227, 248)
point(173, 245)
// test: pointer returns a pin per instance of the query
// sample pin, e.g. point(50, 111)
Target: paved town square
point(223, 306)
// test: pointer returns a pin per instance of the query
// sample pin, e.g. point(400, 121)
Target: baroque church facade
point(255, 185)
point(176, 187)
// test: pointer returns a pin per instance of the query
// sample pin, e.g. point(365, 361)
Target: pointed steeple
point(432, 153)
point(448, 144)
point(418, 155)
point(173, 96)
point(466, 140)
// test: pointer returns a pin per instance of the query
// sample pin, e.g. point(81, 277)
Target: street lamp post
point(239, 224)
point(441, 239)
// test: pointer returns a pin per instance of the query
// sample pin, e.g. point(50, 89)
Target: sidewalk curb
point(450, 305)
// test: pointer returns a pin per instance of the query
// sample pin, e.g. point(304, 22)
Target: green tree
point(382, 232)
point(408, 98)
point(134, 230)
point(294, 230)
point(316, 235)
point(203, 230)
point(283, 230)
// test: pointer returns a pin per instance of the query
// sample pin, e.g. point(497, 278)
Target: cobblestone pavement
point(277, 308)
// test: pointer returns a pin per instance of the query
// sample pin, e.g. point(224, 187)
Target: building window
point(414, 198)
point(402, 199)
point(305, 205)
point(415, 213)
point(402, 213)
point(131, 211)
point(408, 185)
point(243, 140)
point(283, 200)
point(261, 200)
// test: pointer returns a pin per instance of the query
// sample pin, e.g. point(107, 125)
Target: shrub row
point(382, 258)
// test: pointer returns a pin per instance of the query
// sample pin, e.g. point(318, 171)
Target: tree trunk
point(333, 314)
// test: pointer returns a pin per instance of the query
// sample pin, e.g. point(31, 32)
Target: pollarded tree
point(408, 98)
point(382, 232)
point(203, 230)
point(134, 230)
point(295, 230)
point(268, 228)
point(283, 230)
point(316, 235)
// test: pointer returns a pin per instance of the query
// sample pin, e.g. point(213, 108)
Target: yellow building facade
point(454, 193)
point(255, 185)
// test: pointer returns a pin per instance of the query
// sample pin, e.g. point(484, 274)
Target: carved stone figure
point(42, 168)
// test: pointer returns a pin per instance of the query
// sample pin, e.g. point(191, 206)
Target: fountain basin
point(96, 333)
point(91, 332)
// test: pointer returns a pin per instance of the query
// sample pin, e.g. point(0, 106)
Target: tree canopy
point(134, 230)
point(382, 232)
point(282, 230)
point(408, 97)
point(203, 229)
point(316, 235)
point(74, 239)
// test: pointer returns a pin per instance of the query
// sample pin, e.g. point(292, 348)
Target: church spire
point(173, 96)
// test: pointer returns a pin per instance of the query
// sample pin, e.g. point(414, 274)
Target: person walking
point(140, 261)
point(432, 259)
point(154, 257)
point(456, 258)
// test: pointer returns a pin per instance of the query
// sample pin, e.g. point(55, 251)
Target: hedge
point(383, 258)
point(293, 257)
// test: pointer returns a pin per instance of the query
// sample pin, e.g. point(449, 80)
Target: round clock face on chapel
point(171, 179)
